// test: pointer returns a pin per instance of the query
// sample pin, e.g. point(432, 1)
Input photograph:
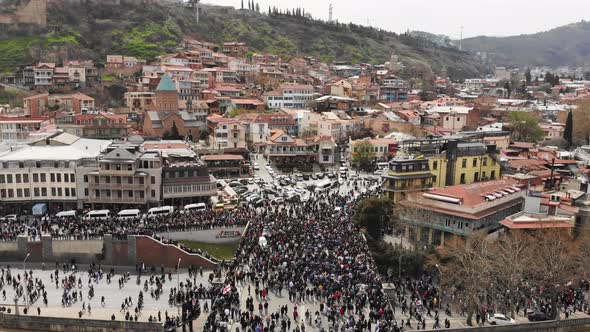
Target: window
point(21, 165)
point(43, 177)
point(464, 163)
point(17, 178)
point(493, 175)
point(153, 192)
point(141, 181)
point(58, 177)
point(44, 192)
point(129, 167)
point(462, 178)
point(53, 192)
point(38, 164)
point(67, 192)
point(10, 193)
point(19, 193)
point(85, 178)
point(130, 180)
point(484, 161)
point(26, 178)
point(130, 193)
point(36, 192)
point(474, 162)
point(85, 191)
point(435, 165)
point(73, 192)
point(9, 178)
point(2, 193)
point(476, 177)
point(2, 178)
point(52, 177)
point(153, 180)
point(66, 178)
point(72, 177)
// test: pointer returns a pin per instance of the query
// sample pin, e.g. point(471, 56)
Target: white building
point(289, 96)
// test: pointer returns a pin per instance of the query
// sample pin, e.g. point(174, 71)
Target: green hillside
point(93, 30)
point(563, 46)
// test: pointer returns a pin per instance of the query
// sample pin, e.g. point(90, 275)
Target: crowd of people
point(315, 254)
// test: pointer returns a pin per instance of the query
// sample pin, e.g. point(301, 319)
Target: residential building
point(126, 177)
point(284, 150)
point(552, 131)
point(95, 125)
point(43, 74)
point(454, 162)
point(452, 118)
point(381, 149)
point(460, 210)
point(234, 49)
point(185, 177)
point(22, 129)
point(325, 147)
point(42, 104)
point(289, 95)
point(407, 175)
point(542, 214)
point(225, 133)
point(160, 124)
point(226, 165)
point(46, 171)
point(140, 102)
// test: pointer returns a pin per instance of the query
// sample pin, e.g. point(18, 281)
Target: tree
point(508, 89)
point(527, 75)
point(568, 133)
point(173, 133)
point(242, 4)
point(581, 120)
point(524, 127)
point(373, 214)
point(556, 252)
point(465, 266)
point(257, 8)
point(363, 154)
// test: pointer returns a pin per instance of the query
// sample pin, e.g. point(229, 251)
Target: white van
point(129, 214)
point(383, 165)
point(98, 214)
point(195, 207)
point(159, 211)
point(66, 214)
point(324, 185)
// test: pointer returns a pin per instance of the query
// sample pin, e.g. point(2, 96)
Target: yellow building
point(407, 175)
point(440, 165)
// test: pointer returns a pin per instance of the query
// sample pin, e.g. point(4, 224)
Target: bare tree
point(511, 261)
point(555, 263)
point(466, 269)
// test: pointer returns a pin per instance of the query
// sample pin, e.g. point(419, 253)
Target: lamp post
point(25, 271)
point(178, 282)
point(440, 285)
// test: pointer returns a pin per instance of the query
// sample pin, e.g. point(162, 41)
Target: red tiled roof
point(474, 194)
point(535, 224)
point(215, 157)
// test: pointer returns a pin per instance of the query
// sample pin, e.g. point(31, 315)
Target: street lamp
point(440, 285)
point(25, 272)
point(178, 282)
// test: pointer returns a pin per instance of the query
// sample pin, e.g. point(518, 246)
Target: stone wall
point(568, 325)
point(220, 235)
point(155, 253)
point(35, 323)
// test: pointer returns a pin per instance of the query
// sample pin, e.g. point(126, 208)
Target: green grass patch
point(107, 78)
point(218, 250)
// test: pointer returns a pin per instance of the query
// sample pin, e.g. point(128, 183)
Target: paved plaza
point(114, 296)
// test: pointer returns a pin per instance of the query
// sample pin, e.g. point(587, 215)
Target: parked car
point(251, 181)
point(256, 167)
point(538, 316)
point(331, 175)
point(278, 200)
point(241, 190)
point(320, 175)
point(305, 177)
point(10, 217)
point(234, 184)
point(499, 319)
point(244, 181)
point(314, 177)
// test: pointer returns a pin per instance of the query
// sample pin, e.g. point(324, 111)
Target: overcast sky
point(478, 17)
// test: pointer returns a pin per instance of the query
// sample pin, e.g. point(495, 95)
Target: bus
point(129, 214)
point(159, 211)
point(195, 207)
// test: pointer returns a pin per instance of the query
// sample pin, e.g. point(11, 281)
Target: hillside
point(563, 46)
point(90, 29)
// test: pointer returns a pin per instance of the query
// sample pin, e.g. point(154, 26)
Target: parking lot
point(271, 186)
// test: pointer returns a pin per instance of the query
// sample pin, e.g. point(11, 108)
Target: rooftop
point(166, 84)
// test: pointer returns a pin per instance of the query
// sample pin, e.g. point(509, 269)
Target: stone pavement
point(114, 296)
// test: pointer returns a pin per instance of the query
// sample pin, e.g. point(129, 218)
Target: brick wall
point(154, 253)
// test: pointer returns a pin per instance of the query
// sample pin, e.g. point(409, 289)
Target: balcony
point(117, 200)
point(117, 186)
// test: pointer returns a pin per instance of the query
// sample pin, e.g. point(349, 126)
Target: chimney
point(532, 204)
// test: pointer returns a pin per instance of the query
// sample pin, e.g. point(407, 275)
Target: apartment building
point(22, 129)
point(225, 133)
point(289, 95)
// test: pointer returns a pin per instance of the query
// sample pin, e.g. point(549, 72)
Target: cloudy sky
point(478, 17)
